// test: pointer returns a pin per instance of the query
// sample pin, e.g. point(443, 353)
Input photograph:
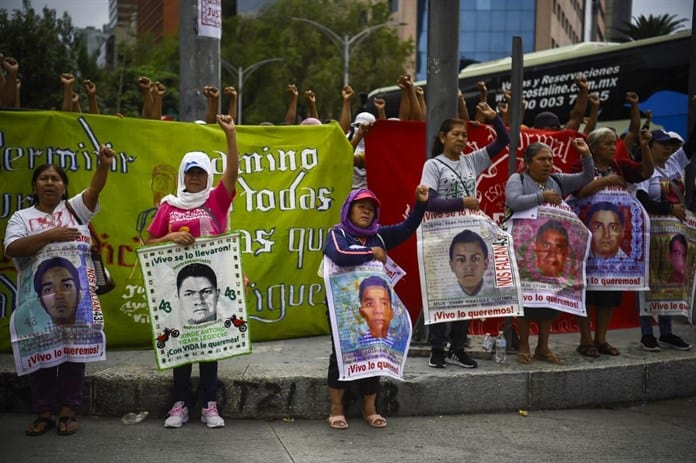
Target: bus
point(657, 69)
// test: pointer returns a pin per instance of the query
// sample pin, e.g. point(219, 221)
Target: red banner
point(395, 153)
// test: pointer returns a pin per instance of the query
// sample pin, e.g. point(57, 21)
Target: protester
point(662, 194)
point(197, 210)
point(547, 120)
point(9, 82)
point(451, 177)
point(50, 220)
point(359, 128)
point(531, 188)
point(357, 239)
point(606, 223)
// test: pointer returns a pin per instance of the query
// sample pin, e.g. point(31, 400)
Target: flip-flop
point(588, 350)
point(548, 357)
point(376, 421)
point(64, 423)
point(607, 349)
point(48, 423)
point(338, 422)
point(524, 358)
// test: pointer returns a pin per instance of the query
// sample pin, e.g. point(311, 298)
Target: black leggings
point(366, 386)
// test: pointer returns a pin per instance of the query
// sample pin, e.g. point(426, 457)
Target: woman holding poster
point(197, 210)
point(64, 293)
point(608, 224)
point(662, 195)
point(451, 177)
point(525, 191)
point(359, 239)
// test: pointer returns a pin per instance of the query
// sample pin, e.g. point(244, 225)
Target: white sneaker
point(210, 416)
point(178, 415)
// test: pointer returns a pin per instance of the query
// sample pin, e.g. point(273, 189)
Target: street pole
point(198, 63)
point(240, 79)
point(346, 41)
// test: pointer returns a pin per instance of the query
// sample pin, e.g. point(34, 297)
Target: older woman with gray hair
point(534, 186)
point(608, 171)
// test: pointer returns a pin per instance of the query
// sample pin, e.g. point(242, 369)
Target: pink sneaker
point(178, 415)
point(210, 416)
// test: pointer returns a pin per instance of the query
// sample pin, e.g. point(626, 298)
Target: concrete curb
point(287, 379)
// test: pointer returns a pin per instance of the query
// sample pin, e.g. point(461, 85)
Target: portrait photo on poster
point(62, 290)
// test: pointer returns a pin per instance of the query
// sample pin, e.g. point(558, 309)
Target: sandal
point(548, 357)
point(338, 422)
point(524, 358)
point(376, 421)
point(588, 350)
point(65, 425)
point(607, 349)
point(40, 425)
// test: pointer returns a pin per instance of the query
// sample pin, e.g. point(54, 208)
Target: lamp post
point(344, 43)
point(241, 72)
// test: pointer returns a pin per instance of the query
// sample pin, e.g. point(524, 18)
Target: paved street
point(657, 432)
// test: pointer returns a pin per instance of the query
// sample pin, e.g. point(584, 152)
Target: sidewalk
point(287, 379)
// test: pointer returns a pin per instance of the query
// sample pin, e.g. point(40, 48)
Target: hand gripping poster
point(467, 268)
point(196, 299)
point(619, 247)
point(371, 327)
point(551, 245)
point(672, 266)
point(58, 317)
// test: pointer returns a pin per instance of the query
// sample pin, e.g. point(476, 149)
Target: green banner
point(292, 183)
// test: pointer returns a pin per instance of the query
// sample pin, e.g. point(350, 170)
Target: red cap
point(365, 194)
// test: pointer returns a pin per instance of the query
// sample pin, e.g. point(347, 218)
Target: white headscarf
point(184, 199)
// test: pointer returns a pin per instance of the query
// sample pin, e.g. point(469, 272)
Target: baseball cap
point(193, 163)
point(675, 136)
point(366, 194)
point(663, 136)
point(363, 118)
point(547, 119)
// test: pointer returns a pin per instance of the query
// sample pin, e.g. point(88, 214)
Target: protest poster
point(551, 246)
point(58, 316)
point(672, 267)
point(467, 268)
point(619, 246)
point(371, 327)
point(291, 186)
point(196, 297)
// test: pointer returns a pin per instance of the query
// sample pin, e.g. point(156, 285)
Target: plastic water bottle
point(500, 347)
point(488, 343)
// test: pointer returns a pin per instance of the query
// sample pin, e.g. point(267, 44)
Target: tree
point(45, 47)
point(652, 26)
point(310, 59)
point(158, 61)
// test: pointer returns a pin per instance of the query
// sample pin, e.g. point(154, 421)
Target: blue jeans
point(664, 323)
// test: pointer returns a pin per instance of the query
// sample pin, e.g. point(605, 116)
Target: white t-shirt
point(658, 186)
point(30, 221)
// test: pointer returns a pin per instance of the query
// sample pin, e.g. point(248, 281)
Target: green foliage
point(158, 61)
point(652, 26)
point(311, 60)
point(45, 47)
